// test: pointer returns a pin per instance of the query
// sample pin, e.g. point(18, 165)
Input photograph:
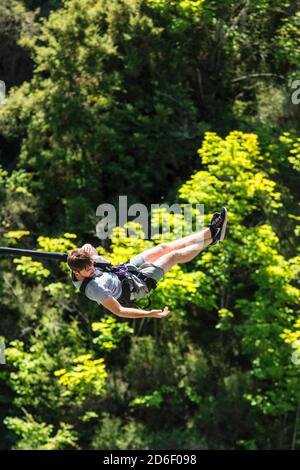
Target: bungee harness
point(125, 274)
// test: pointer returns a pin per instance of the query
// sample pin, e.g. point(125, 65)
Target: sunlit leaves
point(85, 377)
point(31, 269)
point(110, 333)
point(62, 244)
point(35, 435)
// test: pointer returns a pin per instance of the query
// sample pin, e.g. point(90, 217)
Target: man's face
point(87, 272)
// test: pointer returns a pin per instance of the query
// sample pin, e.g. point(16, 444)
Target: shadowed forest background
point(163, 101)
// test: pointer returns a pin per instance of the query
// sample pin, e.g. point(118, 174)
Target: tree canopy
point(160, 100)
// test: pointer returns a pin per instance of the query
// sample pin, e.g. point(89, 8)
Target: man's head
point(81, 262)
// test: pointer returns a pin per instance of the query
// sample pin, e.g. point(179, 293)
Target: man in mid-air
point(105, 288)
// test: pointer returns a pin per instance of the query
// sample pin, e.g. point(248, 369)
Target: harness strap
point(124, 299)
point(84, 284)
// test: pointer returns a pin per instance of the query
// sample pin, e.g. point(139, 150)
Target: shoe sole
point(223, 231)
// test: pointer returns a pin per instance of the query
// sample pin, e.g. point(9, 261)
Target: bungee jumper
point(118, 287)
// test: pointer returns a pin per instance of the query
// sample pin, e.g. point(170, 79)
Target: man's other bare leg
point(183, 255)
point(167, 247)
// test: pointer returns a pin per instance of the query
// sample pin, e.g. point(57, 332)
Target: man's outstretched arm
point(127, 312)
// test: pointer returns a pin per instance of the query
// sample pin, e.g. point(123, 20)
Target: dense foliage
point(183, 101)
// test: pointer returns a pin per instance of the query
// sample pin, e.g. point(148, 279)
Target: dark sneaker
point(218, 226)
point(216, 214)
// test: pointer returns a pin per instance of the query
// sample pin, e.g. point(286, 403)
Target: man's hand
point(89, 249)
point(159, 313)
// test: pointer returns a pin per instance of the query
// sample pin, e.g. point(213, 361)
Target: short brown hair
point(79, 260)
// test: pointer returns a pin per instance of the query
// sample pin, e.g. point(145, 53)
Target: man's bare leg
point(167, 247)
point(183, 255)
point(198, 237)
